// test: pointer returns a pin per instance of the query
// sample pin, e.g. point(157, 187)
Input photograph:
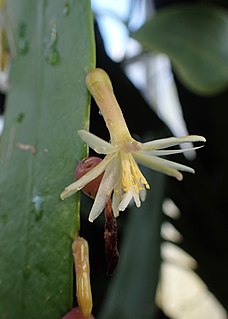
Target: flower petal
point(157, 164)
point(171, 164)
point(88, 177)
point(174, 165)
point(136, 198)
point(116, 199)
point(142, 194)
point(108, 182)
point(125, 200)
point(171, 141)
point(132, 193)
point(99, 145)
point(170, 152)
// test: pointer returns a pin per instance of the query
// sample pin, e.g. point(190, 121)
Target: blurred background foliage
point(196, 206)
point(173, 250)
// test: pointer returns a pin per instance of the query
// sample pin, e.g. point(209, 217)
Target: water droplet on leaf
point(51, 52)
point(66, 9)
point(53, 36)
point(23, 45)
point(20, 117)
point(38, 201)
point(53, 57)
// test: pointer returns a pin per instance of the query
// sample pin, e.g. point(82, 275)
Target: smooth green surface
point(46, 105)
point(131, 293)
point(195, 37)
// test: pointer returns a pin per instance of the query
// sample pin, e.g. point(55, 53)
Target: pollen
point(132, 178)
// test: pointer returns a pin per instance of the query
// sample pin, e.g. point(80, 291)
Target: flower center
point(130, 146)
point(131, 176)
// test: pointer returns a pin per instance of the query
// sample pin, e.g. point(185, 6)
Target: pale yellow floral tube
point(100, 87)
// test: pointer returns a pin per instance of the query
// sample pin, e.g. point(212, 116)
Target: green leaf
point(132, 291)
point(47, 104)
point(195, 37)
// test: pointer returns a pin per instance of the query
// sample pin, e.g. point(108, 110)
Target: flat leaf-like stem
point(47, 103)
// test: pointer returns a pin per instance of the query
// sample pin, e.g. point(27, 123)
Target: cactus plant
point(47, 103)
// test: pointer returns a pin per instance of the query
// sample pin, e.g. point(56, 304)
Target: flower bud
point(85, 166)
point(80, 251)
point(75, 313)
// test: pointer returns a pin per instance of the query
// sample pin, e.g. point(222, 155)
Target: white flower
point(122, 177)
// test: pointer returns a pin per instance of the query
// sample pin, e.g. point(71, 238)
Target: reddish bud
point(85, 166)
point(75, 313)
